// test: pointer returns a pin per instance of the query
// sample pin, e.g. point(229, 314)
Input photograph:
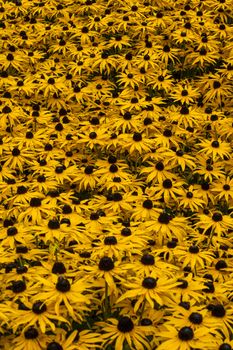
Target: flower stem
point(142, 311)
point(106, 305)
point(210, 240)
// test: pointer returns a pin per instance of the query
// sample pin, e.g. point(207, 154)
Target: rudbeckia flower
point(124, 331)
point(151, 289)
point(61, 290)
point(184, 338)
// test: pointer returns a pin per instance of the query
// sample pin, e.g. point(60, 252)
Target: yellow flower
point(124, 331)
point(151, 289)
point(60, 290)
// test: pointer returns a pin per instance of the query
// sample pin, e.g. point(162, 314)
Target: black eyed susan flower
point(59, 289)
point(151, 289)
point(124, 331)
point(184, 338)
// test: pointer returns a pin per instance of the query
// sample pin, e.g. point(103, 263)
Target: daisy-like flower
point(222, 315)
point(193, 256)
point(215, 221)
point(185, 93)
point(61, 290)
point(191, 200)
point(169, 190)
point(184, 338)
point(37, 314)
point(188, 287)
point(166, 226)
point(35, 211)
point(30, 339)
point(124, 331)
point(105, 271)
point(151, 289)
point(209, 169)
point(145, 209)
point(216, 149)
point(224, 189)
point(176, 157)
point(157, 172)
point(17, 157)
point(83, 340)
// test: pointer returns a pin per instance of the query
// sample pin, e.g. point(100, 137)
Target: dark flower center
point(167, 133)
point(89, 170)
point(171, 244)
point(225, 346)
point(18, 286)
point(149, 282)
point(111, 240)
point(209, 167)
point(54, 346)
point(184, 93)
point(35, 202)
point(164, 218)
point(185, 305)
point(166, 48)
point(41, 178)
point(147, 259)
point(31, 333)
point(21, 190)
point(12, 231)
point(106, 264)
point(126, 232)
point(39, 307)
point(137, 137)
point(216, 84)
point(51, 81)
point(66, 209)
point(217, 217)
point(160, 78)
point(179, 153)
point(112, 159)
point(59, 169)
point(205, 186)
point(210, 287)
point(167, 183)
point(92, 135)
point(113, 168)
point(215, 144)
point(146, 322)
point(196, 318)
point(226, 187)
point(221, 264)
point(125, 324)
point(117, 197)
point(159, 166)
point(147, 204)
point(218, 311)
point(189, 195)
point(127, 115)
point(58, 268)
point(94, 216)
point(193, 249)
point(53, 224)
point(63, 285)
point(184, 110)
point(186, 333)
point(183, 283)
point(15, 152)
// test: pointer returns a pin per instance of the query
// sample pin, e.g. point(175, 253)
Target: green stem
point(210, 240)
point(106, 305)
point(142, 310)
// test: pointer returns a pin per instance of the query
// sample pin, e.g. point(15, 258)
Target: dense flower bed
point(116, 175)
